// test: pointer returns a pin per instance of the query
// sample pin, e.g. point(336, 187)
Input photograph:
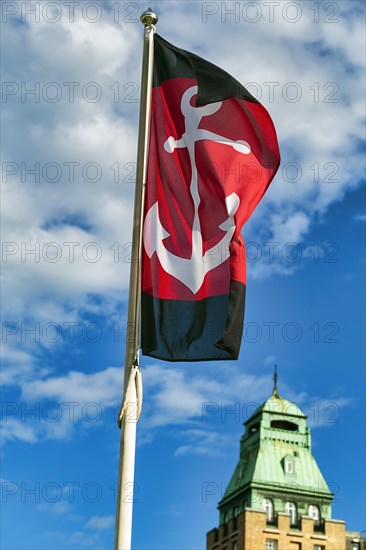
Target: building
point(355, 541)
point(277, 498)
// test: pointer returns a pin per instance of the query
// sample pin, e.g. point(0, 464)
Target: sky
point(70, 100)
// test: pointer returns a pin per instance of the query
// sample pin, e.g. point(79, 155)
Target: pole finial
point(149, 18)
point(275, 378)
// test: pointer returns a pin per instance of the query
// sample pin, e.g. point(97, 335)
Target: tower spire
point(275, 378)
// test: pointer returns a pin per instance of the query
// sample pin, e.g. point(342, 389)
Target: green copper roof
point(276, 404)
point(276, 435)
point(266, 467)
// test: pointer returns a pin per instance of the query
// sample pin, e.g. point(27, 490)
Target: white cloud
point(77, 387)
point(100, 523)
point(204, 443)
point(19, 364)
point(312, 131)
point(173, 396)
point(13, 429)
point(80, 537)
point(60, 508)
point(319, 135)
point(53, 407)
point(290, 229)
point(324, 413)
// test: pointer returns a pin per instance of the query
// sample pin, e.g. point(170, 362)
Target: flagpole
point(132, 396)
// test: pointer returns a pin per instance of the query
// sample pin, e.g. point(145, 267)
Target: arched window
point(313, 512)
point(267, 506)
point(290, 508)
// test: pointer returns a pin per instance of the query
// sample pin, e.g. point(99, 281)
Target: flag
point(212, 154)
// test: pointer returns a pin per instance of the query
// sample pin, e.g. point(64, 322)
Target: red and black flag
point(213, 152)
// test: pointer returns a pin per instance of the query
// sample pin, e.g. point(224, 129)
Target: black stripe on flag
point(190, 330)
point(214, 84)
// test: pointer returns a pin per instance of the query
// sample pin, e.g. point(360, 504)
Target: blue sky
point(67, 187)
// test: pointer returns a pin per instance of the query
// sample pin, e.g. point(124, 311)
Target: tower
point(277, 498)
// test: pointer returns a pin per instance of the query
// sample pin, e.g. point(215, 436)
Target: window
point(284, 425)
point(355, 546)
point(235, 546)
point(271, 544)
point(267, 506)
point(289, 466)
point(290, 508)
point(254, 428)
point(319, 547)
point(313, 512)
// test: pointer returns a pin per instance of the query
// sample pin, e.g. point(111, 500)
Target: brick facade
point(249, 531)
point(355, 541)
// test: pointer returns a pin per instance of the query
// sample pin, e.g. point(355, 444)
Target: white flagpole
point(131, 405)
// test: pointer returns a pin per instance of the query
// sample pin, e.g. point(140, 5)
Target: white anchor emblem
point(192, 271)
